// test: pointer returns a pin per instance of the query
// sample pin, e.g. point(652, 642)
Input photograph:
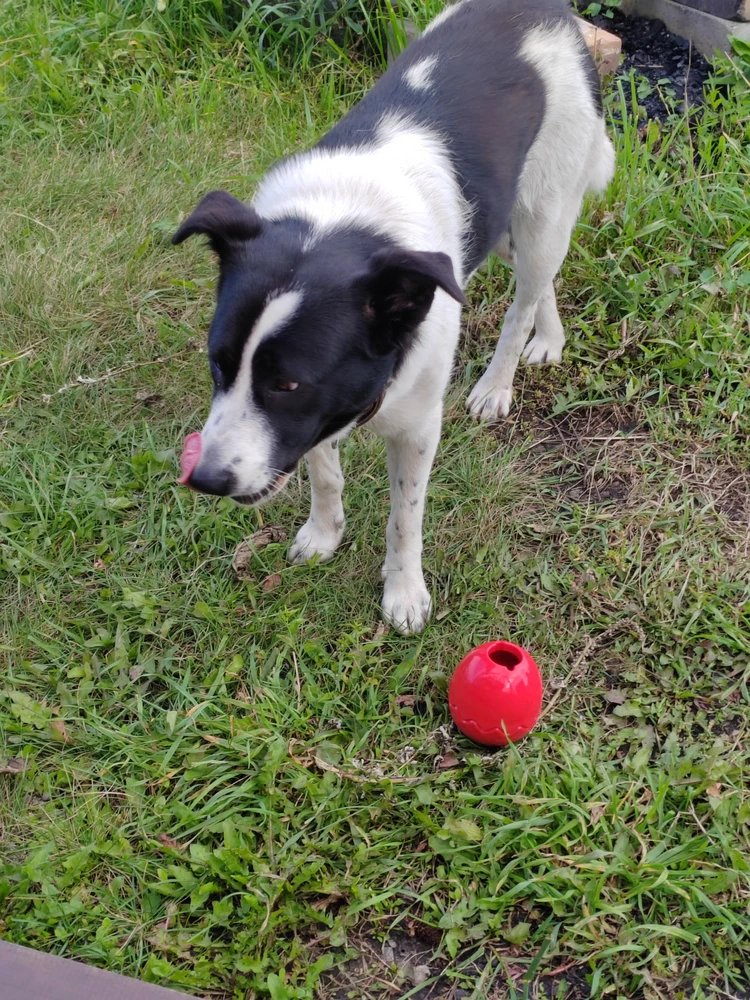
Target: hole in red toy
point(504, 657)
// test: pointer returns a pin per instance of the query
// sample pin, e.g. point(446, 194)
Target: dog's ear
point(400, 287)
point(224, 219)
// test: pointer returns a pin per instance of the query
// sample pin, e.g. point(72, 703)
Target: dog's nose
point(217, 482)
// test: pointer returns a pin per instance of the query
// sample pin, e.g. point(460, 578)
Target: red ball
point(495, 695)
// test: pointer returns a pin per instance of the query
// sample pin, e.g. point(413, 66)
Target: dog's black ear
point(400, 288)
point(224, 219)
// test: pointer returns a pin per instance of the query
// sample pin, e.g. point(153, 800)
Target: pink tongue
point(190, 457)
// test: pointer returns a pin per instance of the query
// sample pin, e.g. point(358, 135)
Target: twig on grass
point(589, 647)
point(18, 357)
point(737, 66)
point(115, 372)
point(568, 966)
point(297, 681)
point(30, 218)
point(624, 343)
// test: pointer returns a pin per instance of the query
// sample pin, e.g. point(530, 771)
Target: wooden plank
point(734, 10)
point(32, 975)
point(707, 33)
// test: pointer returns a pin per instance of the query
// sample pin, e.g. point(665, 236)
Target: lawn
point(249, 788)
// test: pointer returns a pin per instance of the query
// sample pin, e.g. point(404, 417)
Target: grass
point(247, 789)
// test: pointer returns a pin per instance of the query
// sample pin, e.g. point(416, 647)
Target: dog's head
point(303, 341)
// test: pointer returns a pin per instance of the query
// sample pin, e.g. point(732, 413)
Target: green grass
point(242, 791)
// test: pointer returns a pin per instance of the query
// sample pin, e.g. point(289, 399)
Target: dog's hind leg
point(546, 346)
point(406, 600)
point(540, 246)
point(321, 534)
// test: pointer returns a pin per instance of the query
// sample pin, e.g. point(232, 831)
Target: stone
point(707, 32)
point(420, 974)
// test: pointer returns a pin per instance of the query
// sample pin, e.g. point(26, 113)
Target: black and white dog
point(340, 288)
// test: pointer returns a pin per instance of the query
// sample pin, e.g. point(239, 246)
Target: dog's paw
point(489, 401)
point(544, 350)
point(312, 542)
point(406, 605)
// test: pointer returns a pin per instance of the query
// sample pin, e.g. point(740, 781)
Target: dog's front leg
point(406, 600)
point(321, 534)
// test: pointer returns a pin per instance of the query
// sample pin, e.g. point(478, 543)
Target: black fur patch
point(482, 96)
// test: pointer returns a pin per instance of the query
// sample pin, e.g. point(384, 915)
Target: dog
point(340, 287)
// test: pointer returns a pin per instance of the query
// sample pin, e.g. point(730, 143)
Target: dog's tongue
point(191, 453)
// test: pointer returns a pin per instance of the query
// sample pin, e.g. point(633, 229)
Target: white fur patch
point(277, 312)
point(572, 152)
point(419, 76)
point(402, 184)
point(444, 15)
point(236, 435)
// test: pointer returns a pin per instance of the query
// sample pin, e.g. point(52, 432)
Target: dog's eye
point(286, 386)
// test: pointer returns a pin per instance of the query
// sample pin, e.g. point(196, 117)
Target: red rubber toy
point(495, 695)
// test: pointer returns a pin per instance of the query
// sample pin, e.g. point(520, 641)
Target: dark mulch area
point(659, 56)
point(387, 969)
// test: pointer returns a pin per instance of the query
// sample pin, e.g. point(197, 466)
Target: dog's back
point(482, 77)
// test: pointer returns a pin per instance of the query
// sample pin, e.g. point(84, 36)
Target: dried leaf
point(597, 811)
point(148, 398)
point(323, 904)
point(448, 761)
point(249, 547)
point(59, 732)
point(406, 701)
point(170, 842)
point(615, 697)
point(243, 556)
point(15, 765)
point(271, 583)
point(135, 671)
point(267, 535)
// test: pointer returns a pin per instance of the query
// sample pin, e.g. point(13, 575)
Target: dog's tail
point(602, 168)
